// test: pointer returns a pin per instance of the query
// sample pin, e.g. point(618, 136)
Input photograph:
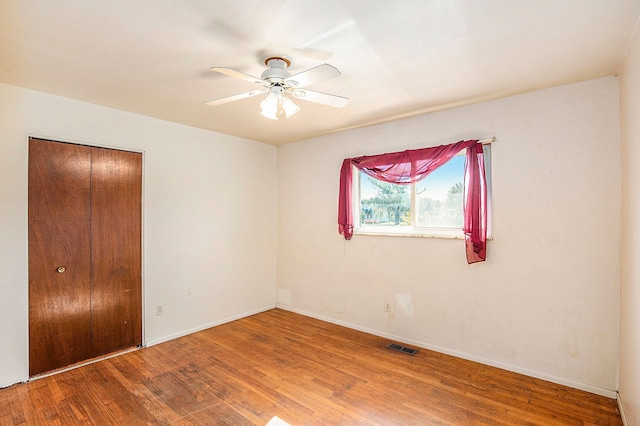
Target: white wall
point(630, 260)
point(209, 217)
point(545, 303)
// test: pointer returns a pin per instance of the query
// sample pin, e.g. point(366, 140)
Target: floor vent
point(403, 349)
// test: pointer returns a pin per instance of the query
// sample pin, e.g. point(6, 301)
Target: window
point(432, 206)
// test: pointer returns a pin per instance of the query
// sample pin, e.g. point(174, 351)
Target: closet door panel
point(116, 299)
point(59, 255)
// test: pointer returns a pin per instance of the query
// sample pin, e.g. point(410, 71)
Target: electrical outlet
point(387, 306)
point(159, 310)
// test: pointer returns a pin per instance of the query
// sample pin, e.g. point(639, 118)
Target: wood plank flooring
point(306, 372)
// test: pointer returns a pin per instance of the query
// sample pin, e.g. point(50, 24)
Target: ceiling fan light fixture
point(269, 106)
point(277, 104)
point(289, 107)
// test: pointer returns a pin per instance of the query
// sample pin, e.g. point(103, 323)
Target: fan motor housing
point(275, 75)
point(277, 71)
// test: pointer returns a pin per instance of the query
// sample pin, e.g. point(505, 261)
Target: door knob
point(61, 269)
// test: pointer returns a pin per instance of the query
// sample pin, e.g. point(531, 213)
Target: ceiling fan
point(278, 82)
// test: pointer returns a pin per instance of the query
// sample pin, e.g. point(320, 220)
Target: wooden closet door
point(116, 287)
point(85, 289)
point(59, 232)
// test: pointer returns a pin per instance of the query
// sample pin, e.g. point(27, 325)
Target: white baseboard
point(536, 374)
point(621, 409)
point(163, 339)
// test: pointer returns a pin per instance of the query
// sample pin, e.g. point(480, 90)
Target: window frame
point(413, 230)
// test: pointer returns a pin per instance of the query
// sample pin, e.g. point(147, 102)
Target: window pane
point(439, 196)
point(384, 204)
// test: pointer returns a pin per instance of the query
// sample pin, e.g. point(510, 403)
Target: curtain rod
point(487, 141)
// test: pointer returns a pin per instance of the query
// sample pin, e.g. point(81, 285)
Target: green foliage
point(390, 206)
point(458, 188)
point(447, 213)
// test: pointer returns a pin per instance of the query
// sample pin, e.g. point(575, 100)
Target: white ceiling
point(397, 58)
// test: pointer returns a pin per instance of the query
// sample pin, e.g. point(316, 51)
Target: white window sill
point(442, 236)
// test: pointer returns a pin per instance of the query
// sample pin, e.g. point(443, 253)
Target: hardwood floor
point(306, 372)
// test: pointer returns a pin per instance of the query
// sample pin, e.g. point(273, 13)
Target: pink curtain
point(413, 165)
point(475, 205)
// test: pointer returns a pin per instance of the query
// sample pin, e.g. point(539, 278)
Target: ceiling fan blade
point(319, 97)
point(313, 75)
point(224, 100)
point(238, 74)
